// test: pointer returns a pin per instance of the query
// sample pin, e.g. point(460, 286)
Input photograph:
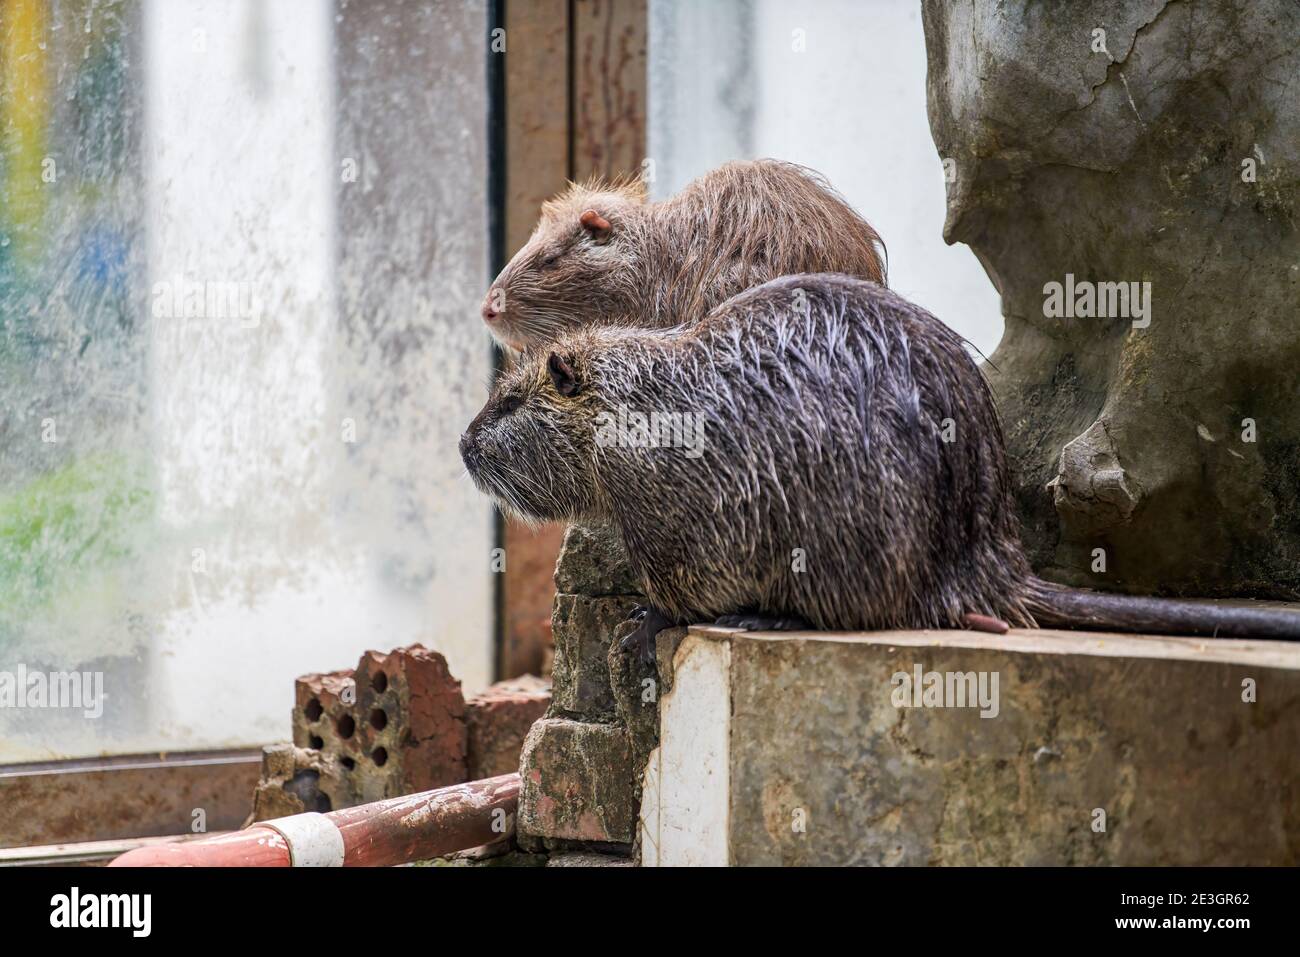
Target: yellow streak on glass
point(23, 111)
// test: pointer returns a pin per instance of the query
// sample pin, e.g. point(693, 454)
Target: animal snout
point(468, 446)
point(490, 311)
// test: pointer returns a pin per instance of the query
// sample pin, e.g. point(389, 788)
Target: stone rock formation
point(1128, 171)
point(582, 764)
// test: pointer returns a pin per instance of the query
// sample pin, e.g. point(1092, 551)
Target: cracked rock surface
point(1137, 142)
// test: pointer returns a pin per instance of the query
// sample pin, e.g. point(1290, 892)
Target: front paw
point(752, 621)
point(641, 640)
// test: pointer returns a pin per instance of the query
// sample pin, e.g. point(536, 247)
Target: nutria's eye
point(551, 260)
point(509, 404)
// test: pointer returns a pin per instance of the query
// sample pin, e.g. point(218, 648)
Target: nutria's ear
point(563, 374)
point(596, 224)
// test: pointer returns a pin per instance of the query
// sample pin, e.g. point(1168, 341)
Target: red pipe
point(415, 827)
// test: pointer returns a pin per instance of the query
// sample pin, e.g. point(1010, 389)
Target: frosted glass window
point(242, 245)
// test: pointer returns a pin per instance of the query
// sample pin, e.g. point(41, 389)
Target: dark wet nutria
point(816, 451)
point(601, 253)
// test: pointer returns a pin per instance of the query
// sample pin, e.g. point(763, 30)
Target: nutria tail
point(1057, 606)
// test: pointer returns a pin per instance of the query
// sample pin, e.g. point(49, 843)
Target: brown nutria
point(601, 251)
point(816, 451)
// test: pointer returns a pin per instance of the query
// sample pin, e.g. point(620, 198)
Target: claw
point(640, 644)
point(641, 640)
point(751, 621)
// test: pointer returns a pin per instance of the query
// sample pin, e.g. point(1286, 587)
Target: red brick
point(498, 721)
point(577, 783)
point(392, 726)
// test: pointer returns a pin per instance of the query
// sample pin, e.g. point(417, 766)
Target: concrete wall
point(804, 749)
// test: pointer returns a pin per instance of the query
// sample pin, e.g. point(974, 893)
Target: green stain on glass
point(63, 528)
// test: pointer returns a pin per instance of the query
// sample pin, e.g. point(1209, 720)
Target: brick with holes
point(393, 725)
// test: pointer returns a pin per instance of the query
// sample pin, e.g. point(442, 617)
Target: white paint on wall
point(837, 85)
point(686, 799)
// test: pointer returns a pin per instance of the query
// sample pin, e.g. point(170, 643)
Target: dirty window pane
point(241, 247)
point(838, 85)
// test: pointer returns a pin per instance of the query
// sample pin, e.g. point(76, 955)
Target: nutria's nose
point(466, 446)
point(489, 311)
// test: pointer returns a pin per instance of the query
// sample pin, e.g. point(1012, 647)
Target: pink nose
point(489, 312)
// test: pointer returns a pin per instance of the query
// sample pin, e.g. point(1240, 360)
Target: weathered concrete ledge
point(814, 748)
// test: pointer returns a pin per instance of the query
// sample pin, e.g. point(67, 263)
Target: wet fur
point(664, 263)
point(823, 397)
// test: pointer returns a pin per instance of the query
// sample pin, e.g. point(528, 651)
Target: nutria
point(850, 473)
point(601, 253)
